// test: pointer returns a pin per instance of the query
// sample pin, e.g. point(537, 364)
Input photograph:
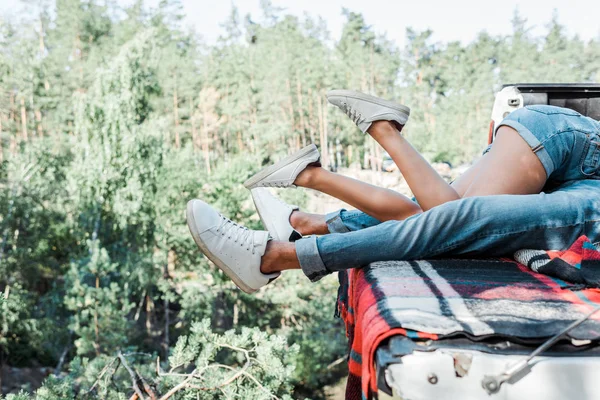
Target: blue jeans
point(489, 226)
point(566, 143)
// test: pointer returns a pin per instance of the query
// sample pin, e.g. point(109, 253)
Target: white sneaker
point(364, 109)
point(233, 248)
point(275, 215)
point(283, 173)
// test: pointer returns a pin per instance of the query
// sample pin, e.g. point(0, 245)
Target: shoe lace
point(354, 115)
point(278, 184)
point(236, 232)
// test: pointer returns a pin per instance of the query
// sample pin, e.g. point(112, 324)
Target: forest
point(112, 118)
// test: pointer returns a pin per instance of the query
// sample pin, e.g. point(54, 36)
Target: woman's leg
point(382, 204)
point(509, 168)
point(341, 221)
point(429, 188)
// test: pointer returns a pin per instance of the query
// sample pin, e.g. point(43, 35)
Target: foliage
point(203, 365)
point(112, 118)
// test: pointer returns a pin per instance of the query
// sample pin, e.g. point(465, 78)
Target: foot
point(236, 250)
point(364, 109)
point(275, 215)
point(284, 172)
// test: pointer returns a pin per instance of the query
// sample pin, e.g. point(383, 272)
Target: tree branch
point(134, 378)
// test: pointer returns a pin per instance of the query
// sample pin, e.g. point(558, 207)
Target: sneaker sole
point(191, 223)
point(270, 170)
point(371, 99)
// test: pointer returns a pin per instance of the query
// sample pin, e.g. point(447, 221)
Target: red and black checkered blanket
point(443, 298)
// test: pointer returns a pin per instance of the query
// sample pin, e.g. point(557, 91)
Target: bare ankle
point(279, 256)
point(266, 264)
point(307, 177)
point(309, 224)
point(383, 129)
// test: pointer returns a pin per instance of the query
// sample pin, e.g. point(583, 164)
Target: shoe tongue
point(260, 241)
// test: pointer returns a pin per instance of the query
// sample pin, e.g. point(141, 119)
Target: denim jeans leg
point(343, 221)
point(488, 226)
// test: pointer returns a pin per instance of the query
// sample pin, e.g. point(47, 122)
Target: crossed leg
point(490, 225)
point(509, 168)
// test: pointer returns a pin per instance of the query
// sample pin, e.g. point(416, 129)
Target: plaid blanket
point(442, 298)
point(580, 264)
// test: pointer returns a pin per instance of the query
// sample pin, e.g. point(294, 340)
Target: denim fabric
point(566, 142)
point(341, 221)
point(487, 226)
point(346, 221)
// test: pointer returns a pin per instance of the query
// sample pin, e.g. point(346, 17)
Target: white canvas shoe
point(275, 215)
point(283, 173)
point(364, 109)
point(236, 250)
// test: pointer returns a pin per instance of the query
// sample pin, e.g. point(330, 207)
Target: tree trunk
point(290, 96)
point(169, 269)
point(204, 139)
point(240, 142)
point(23, 120)
point(96, 324)
point(1, 368)
point(38, 119)
point(1, 147)
point(236, 312)
point(322, 141)
point(378, 161)
point(311, 116)
point(325, 130)
point(301, 112)
point(149, 308)
point(166, 340)
point(171, 261)
point(194, 131)
point(217, 144)
point(176, 118)
point(323, 133)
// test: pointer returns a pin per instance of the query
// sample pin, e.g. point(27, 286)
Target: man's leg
point(281, 255)
point(485, 226)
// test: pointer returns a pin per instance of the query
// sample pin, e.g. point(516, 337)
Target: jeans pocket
point(590, 162)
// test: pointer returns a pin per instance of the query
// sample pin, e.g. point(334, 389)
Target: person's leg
point(429, 188)
point(382, 204)
point(340, 221)
point(509, 168)
point(489, 226)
